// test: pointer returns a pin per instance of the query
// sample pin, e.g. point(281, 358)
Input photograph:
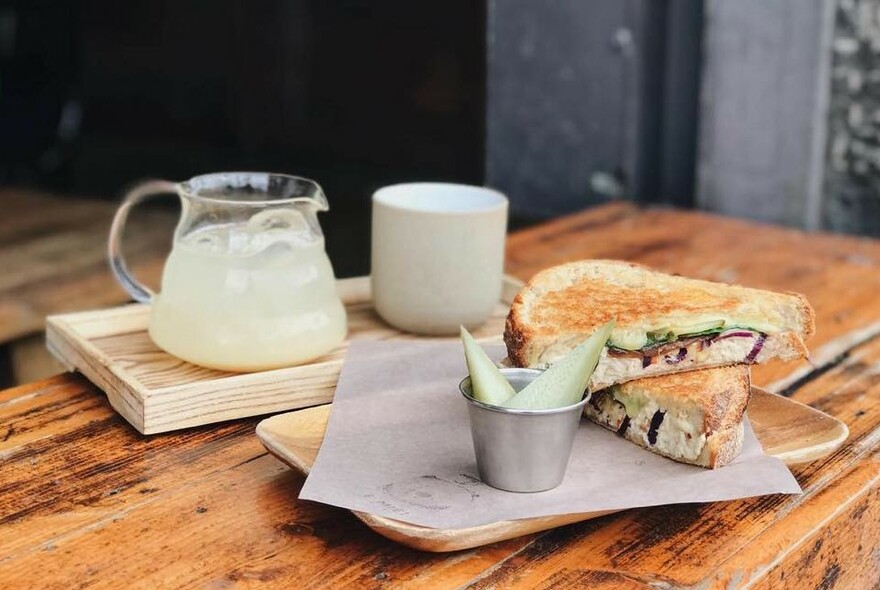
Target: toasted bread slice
point(692, 417)
point(665, 323)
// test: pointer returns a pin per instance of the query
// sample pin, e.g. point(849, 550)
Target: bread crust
point(722, 394)
point(724, 446)
point(566, 303)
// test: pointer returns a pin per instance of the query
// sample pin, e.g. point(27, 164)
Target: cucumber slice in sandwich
point(673, 333)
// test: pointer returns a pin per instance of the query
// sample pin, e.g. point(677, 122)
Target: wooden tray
point(787, 429)
point(157, 392)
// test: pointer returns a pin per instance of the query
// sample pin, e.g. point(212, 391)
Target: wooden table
point(53, 259)
point(87, 502)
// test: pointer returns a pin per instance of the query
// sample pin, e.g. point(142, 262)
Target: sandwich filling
point(727, 347)
point(676, 432)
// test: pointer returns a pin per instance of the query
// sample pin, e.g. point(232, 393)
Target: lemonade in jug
point(248, 285)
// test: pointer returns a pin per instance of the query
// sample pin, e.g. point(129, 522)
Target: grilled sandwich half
point(665, 324)
point(692, 417)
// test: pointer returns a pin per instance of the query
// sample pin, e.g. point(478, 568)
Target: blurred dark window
point(97, 93)
point(352, 93)
point(587, 100)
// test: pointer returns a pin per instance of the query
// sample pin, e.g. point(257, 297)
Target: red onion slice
point(756, 349)
point(670, 360)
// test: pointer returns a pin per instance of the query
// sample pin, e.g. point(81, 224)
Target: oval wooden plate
point(787, 429)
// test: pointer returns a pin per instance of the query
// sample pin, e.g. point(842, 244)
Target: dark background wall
point(95, 94)
point(564, 105)
point(852, 165)
point(179, 87)
point(591, 100)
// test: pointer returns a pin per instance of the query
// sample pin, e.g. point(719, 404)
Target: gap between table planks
point(156, 392)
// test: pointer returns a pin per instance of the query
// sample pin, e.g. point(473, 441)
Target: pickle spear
point(564, 383)
point(488, 385)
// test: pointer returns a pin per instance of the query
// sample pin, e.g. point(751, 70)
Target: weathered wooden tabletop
point(87, 502)
point(53, 258)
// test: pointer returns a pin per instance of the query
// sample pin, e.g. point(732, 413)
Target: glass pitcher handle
point(139, 292)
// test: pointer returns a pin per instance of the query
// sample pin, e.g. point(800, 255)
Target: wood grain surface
point(53, 256)
point(85, 501)
point(157, 392)
point(53, 259)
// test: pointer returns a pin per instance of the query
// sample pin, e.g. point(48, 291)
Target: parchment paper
point(398, 444)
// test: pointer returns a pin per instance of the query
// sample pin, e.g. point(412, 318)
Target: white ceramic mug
point(437, 255)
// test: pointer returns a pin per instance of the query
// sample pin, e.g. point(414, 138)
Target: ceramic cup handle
point(139, 292)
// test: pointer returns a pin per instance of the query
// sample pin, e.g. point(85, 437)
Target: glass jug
point(248, 285)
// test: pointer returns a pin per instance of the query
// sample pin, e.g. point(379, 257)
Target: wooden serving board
point(157, 392)
point(789, 430)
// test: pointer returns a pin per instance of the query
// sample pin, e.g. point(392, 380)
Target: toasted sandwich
point(665, 323)
point(692, 417)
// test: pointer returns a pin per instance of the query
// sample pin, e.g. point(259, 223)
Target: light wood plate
point(787, 429)
point(157, 392)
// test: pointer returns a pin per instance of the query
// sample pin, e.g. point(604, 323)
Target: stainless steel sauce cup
point(521, 450)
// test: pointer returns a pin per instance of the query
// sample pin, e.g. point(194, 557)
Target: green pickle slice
point(488, 385)
point(564, 383)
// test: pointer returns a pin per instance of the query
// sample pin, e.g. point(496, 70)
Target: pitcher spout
point(314, 203)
